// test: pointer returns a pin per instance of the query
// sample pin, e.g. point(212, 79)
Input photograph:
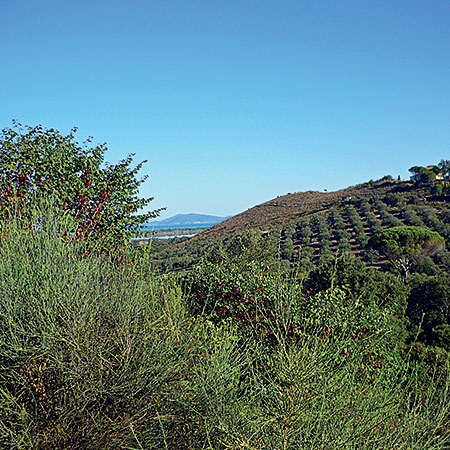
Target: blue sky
point(235, 102)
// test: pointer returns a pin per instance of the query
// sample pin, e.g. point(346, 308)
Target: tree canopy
point(101, 198)
point(424, 175)
point(429, 307)
point(404, 245)
point(444, 167)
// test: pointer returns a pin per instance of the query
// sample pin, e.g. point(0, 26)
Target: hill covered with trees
point(309, 227)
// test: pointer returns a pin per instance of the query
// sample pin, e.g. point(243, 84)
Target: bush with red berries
point(102, 199)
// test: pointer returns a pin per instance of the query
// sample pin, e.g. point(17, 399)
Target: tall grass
point(96, 355)
point(90, 352)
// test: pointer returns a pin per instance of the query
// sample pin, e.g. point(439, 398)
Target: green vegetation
point(282, 339)
point(102, 201)
point(236, 355)
point(405, 245)
point(424, 175)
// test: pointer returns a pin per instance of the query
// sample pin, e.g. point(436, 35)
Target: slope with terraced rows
point(311, 225)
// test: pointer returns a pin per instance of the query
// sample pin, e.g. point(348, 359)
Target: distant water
point(150, 227)
point(171, 236)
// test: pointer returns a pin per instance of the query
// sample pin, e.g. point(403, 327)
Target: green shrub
point(429, 308)
point(92, 353)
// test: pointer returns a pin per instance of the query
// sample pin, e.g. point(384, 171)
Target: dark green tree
point(444, 167)
point(429, 306)
point(437, 189)
point(406, 244)
point(288, 248)
point(423, 175)
point(101, 198)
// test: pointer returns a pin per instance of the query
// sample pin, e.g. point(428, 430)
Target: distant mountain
point(188, 219)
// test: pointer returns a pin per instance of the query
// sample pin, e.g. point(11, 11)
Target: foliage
point(443, 258)
point(393, 199)
point(424, 265)
point(429, 307)
point(422, 174)
point(243, 248)
point(406, 244)
point(250, 296)
point(390, 219)
point(102, 200)
point(91, 354)
point(410, 217)
point(361, 281)
point(437, 189)
point(239, 352)
point(99, 356)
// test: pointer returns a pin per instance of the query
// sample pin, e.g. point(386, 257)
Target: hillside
point(312, 226)
point(292, 207)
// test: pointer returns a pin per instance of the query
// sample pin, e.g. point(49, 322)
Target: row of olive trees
point(335, 227)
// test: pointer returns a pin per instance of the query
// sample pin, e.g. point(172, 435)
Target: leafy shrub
point(102, 202)
point(374, 222)
point(322, 228)
point(338, 221)
point(393, 199)
point(249, 296)
point(288, 248)
point(389, 219)
point(425, 265)
point(342, 234)
point(304, 231)
point(429, 306)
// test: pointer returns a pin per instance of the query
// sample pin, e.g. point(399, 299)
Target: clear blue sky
point(235, 102)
